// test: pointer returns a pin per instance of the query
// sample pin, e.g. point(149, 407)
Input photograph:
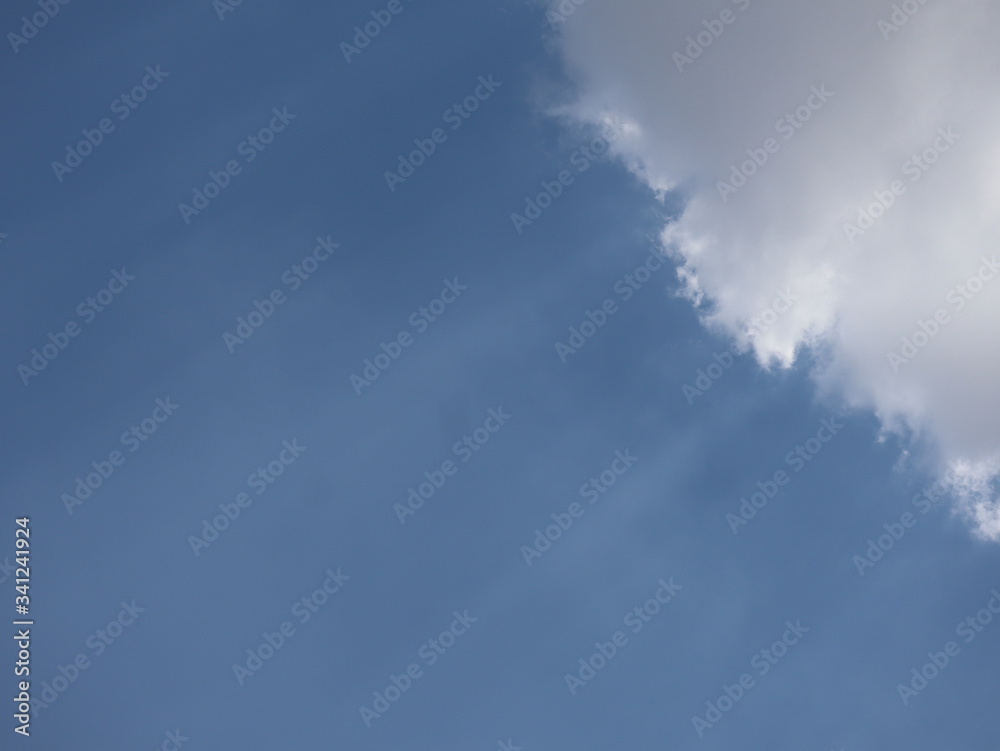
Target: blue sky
point(329, 504)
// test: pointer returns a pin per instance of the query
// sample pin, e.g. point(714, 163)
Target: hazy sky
point(426, 365)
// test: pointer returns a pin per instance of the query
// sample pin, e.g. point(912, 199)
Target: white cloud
point(924, 90)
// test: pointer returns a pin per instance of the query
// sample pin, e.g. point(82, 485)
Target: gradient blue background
point(494, 347)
